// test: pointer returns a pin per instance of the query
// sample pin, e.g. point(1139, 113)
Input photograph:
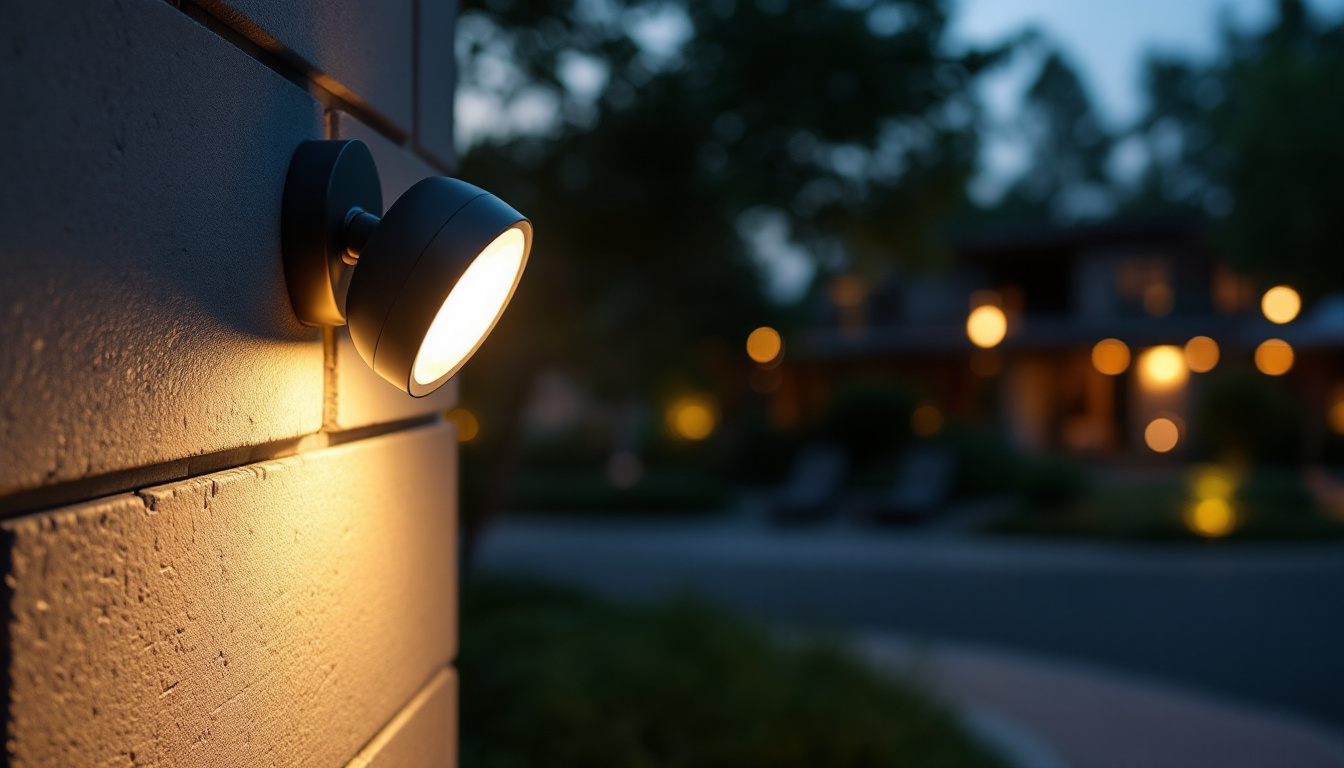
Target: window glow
point(1280, 304)
point(986, 326)
point(471, 309)
point(1201, 354)
point(1163, 368)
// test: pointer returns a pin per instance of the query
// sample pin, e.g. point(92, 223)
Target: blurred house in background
point(1096, 334)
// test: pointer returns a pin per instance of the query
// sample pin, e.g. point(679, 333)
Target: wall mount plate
point(327, 181)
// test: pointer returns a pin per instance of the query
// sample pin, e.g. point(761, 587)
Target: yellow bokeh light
point(467, 425)
point(986, 326)
point(1280, 304)
point(1161, 435)
point(1111, 357)
point(927, 420)
point(1163, 367)
point(692, 418)
point(1211, 518)
point(1201, 354)
point(1274, 357)
point(1336, 417)
point(764, 344)
point(1213, 483)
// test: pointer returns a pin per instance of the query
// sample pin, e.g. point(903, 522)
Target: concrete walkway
point(1048, 714)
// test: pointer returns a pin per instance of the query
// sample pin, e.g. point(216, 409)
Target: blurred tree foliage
point(1255, 139)
point(1067, 177)
point(666, 130)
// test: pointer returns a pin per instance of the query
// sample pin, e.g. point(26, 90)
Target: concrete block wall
point(226, 542)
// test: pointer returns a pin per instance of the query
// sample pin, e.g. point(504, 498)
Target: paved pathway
point(1047, 714)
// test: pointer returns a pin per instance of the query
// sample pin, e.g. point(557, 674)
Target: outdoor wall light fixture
point(420, 287)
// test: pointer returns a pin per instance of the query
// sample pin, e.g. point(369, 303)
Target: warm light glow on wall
point(692, 418)
point(467, 425)
point(1274, 357)
point(986, 326)
point(927, 420)
point(764, 345)
point(1111, 357)
point(1161, 435)
point(1163, 368)
point(1201, 354)
point(1281, 304)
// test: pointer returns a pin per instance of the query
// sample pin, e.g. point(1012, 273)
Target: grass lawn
point(554, 679)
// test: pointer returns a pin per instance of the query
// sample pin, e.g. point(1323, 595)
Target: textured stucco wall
point(226, 541)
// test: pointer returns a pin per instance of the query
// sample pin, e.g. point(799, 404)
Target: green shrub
point(1245, 417)
point(1052, 485)
point(551, 679)
point(870, 417)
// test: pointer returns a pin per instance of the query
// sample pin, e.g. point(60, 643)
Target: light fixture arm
point(359, 227)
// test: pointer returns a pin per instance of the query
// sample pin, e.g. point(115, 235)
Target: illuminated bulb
point(1201, 354)
point(986, 326)
point(471, 309)
point(764, 345)
point(1274, 357)
point(1281, 304)
point(1111, 357)
point(1163, 368)
point(1161, 435)
point(1211, 518)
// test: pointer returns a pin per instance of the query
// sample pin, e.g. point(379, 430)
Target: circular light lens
point(472, 308)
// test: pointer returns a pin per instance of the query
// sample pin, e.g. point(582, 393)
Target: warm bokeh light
point(1336, 417)
point(692, 418)
point(1274, 357)
point(1158, 300)
point(1111, 357)
point(1201, 354)
point(986, 326)
point(927, 420)
point(472, 307)
point(1211, 518)
point(1213, 483)
point(467, 425)
point(1163, 367)
point(1280, 304)
point(1161, 435)
point(764, 344)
